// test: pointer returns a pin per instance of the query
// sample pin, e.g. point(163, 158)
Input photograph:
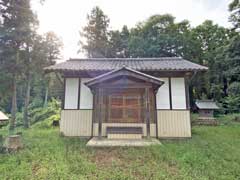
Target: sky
point(67, 17)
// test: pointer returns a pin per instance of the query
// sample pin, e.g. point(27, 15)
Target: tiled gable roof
point(140, 64)
point(206, 104)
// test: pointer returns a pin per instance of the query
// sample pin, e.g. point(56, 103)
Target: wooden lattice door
point(125, 107)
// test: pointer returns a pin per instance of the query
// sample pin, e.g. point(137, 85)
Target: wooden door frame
point(98, 106)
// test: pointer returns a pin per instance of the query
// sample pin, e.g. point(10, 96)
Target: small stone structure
point(206, 112)
point(13, 142)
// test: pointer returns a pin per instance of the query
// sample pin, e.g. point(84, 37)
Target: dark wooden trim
point(64, 93)
point(93, 112)
point(170, 91)
point(79, 91)
point(187, 92)
point(172, 109)
point(147, 113)
point(156, 73)
point(107, 109)
point(85, 109)
point(174, 138)
point(123, 130)
point(123, 86)
point(78, 109)
point(126, 123)
point(155, 109)
point(100, 97)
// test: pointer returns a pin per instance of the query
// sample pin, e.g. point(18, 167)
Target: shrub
point(43, 117)
point(234, 89)
point(52, 111)
point(231, 104)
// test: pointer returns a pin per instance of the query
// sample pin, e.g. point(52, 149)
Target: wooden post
point(147, 113)
point(170, 92)
point(100, 98)
point(155, 112)
point(64, 93)
point(186, 80)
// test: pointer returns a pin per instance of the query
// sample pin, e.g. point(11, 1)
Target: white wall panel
point(71, 93)
point(86, 96)
point(163, 101)
point(178, 93)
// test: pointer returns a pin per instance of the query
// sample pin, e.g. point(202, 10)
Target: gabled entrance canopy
point(124, 96)
point(124, 72)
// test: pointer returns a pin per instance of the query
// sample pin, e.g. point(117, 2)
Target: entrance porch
point(124, 104)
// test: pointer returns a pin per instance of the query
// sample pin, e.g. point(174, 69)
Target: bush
point(234, 89)
point(231, 104)
point(47, 123)
point(43, 117)
point(52, 111)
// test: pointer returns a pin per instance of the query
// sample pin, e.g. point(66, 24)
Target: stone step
point(124, 136)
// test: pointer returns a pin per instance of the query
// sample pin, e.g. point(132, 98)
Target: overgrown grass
point(212, 153)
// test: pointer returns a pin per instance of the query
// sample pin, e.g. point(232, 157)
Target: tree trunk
point(14, 104)
point(26, 102)
point(46, 95)
point(225, 86)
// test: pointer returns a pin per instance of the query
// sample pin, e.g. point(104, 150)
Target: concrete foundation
point(104, 142)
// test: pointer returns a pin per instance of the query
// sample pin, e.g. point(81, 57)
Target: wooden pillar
point(186, 80)
point(64, 93)
point(170, 92)
point(99, 116)
point(155, 112)
point(147, 113)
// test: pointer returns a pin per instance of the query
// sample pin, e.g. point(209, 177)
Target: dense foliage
point(23, 55)
point(37, 113)
point(160, 35)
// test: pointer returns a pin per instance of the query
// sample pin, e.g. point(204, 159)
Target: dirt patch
point(107, 157)
point(136, 163)
point(37, 169)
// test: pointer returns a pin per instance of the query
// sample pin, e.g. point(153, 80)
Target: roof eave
point(104, 77)
point(49, 70)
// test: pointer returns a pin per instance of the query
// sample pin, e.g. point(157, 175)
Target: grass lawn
point(212, 153)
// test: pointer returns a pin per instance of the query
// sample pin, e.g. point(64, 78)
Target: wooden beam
point(93, 111)
point(155, 112)
point(99, 104)
point(124, 86)
point(64, 93)
point(79, 91)
point(156, 73)
point(186, 81)
point(147, 113)
point(170, 92)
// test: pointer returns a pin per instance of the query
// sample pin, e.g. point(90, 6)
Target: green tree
point(17, 23)
point(44, 51)
point(52, 49)
point(118, 43)
point(159, 36)
point(232, 61)
point(234, 8)
point(212, 40)
point(95, 34)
